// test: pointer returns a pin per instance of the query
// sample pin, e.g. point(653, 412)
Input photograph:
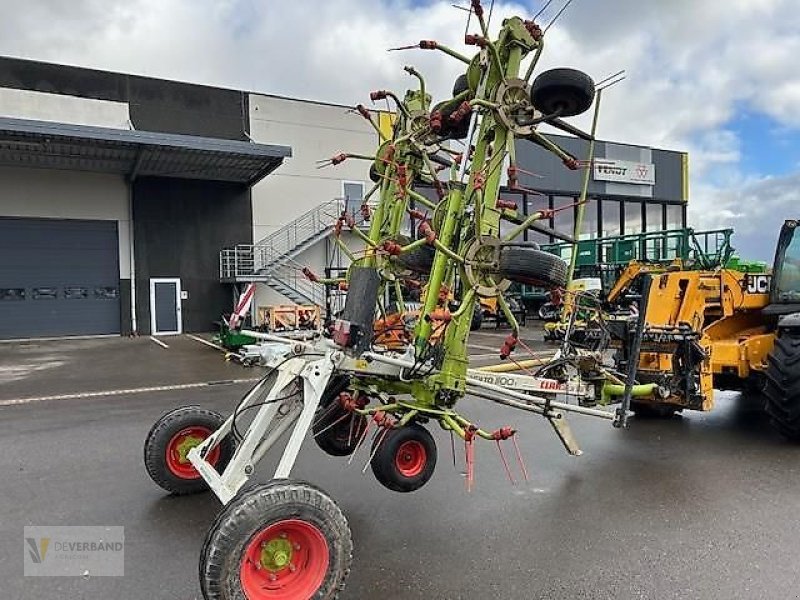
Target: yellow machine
point(722, 329)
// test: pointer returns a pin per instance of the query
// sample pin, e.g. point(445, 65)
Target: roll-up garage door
point(58, 277)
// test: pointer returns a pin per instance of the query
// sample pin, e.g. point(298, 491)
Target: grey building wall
point(179, 227)
point(552, 176)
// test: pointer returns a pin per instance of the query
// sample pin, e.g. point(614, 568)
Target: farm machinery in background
point(288, 539)
point(724, 324)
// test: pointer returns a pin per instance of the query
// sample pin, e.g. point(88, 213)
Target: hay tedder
point(288, 539)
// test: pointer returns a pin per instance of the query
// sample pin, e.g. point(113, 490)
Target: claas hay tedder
point(288, 539)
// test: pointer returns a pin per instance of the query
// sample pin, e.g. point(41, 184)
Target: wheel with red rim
point(285, 540)
point(337, 431)
point(405, 459)
point(169, 441)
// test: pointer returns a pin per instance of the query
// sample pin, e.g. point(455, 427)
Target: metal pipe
point(584, 191)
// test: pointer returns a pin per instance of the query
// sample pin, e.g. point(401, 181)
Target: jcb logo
point(758, 284)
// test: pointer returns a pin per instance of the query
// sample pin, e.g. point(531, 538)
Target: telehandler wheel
point(336, 430)
point(526, 263)
point(169, 441)
point(284, 540)
point(564, 92)
point(782, 389)
point(647, 410)
point(405, 459)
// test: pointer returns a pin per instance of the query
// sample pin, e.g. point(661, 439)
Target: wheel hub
point(276, 554)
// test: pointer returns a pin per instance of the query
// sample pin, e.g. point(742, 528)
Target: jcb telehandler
point(723, 329)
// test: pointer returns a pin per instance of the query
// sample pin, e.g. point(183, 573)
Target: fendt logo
point(758, 284)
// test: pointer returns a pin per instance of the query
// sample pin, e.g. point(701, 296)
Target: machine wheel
point(169, 441)
point(564, 92)
point(405, 459)
point(782, 390)
point(419, 260)
point(649, 410)
point(460, 85)
point(283, 540)
point(528, 264)
point(334, 433)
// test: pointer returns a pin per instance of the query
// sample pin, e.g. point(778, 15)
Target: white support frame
point(298, 411)
point(178, 307)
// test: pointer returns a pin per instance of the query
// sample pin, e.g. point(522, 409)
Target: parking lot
point(699, 506)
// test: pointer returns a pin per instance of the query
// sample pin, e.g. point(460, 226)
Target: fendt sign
point(624, 171)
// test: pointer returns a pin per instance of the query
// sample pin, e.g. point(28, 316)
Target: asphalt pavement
point(698, 506)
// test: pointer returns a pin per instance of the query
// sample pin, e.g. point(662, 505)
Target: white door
point(165, 306)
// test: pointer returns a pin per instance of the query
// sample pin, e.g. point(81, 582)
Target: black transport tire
point(302, 525)
point(526, 263)
point(334, 433)
point(460, 85)
point(648, 410)
point(166, 443)
point(782, 389)
point(564, 92)
point(405, 459)
point(419, 260)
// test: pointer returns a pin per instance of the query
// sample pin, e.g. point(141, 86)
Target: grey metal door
point(165, 306)
point(58, 277)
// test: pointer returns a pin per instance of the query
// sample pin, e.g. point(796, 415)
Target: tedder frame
point(288, 539)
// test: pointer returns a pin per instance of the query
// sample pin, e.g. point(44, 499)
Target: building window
point(633, 217)
point(654, 219)
point(675, 216)
point(12, 293)
point(609, 225)
point(565, 215)
point(535, 203)
point(590, 219)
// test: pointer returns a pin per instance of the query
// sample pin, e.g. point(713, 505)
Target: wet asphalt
point(698, 506)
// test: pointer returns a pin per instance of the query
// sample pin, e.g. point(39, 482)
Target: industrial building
point(132, 204)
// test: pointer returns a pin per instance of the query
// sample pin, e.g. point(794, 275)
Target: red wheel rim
point(179, 446)
point(287, 560)
point(411, 458)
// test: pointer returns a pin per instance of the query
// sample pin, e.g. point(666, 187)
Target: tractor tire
point(649, 410)
point(284, 539)
point(404, 458)
point(563, 92)
point(782, 389)
point(334, 433)
point(167, 442)
point(419, 260)
point(525, 263)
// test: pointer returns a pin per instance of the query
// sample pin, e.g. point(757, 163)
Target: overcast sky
point(717, 78)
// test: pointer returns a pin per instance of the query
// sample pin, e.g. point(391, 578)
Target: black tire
point(159, 449)
point(647, 410)
point(782, 389)
point(405, 459)
point(335, 435)
point(563, 92)
point(224, 574)
point(528, 264)
point(460, 85)
point(419, 260)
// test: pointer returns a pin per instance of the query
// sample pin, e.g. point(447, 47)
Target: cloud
point(692, 65)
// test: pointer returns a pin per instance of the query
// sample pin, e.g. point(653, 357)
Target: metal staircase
point(271, 260)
